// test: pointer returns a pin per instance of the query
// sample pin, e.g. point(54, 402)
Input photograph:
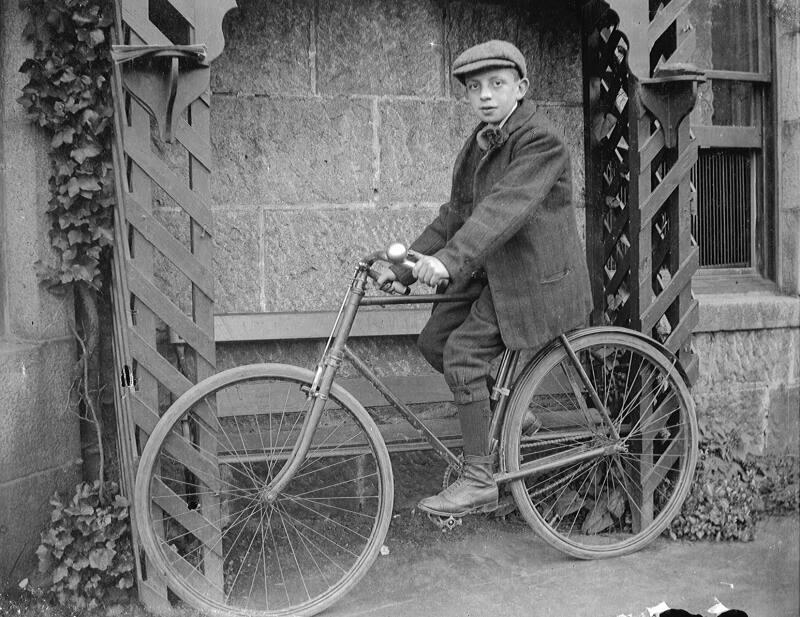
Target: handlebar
point(397, 254)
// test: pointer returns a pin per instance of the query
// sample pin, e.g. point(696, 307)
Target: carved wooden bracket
point(670, 96)
point(177, 81)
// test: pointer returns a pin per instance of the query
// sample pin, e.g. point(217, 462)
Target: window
point(733, 219)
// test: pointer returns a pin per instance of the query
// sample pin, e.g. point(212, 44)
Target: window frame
point(761, 140)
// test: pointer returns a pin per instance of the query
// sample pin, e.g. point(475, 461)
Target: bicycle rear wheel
point(619, 500)
point(200, 509)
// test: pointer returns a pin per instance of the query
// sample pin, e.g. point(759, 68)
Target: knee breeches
point(460, 340)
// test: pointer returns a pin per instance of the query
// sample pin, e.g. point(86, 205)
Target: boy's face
point(492, 93)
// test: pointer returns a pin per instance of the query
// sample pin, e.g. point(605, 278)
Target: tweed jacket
point(512, 216)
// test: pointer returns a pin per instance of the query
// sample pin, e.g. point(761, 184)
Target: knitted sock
point(475, 419)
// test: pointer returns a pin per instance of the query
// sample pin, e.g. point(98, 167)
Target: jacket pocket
point(554, 278)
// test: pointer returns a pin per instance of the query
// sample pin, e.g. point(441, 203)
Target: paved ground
point(501, 569)
point(497, 568)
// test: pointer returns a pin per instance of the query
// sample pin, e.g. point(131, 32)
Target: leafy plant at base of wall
point(733, 489)
point(85, 557)
point(723, 503)
point(778, 482)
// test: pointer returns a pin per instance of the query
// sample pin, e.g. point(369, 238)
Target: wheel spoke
point(295, 554)
point(622, 499)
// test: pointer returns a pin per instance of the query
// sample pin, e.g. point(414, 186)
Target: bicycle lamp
point(398, 254)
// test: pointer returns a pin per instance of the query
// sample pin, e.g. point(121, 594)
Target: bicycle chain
point(565, 479)
point(562, 481)
point(554, 440)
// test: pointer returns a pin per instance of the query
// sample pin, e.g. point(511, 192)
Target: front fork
point(321, 385)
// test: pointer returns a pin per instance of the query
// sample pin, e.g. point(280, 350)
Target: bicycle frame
point(336, 350)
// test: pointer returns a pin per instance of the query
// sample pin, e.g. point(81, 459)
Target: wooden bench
point(419, 389)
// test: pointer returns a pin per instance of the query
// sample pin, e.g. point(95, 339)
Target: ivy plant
point(85, 555)
point(68, 94)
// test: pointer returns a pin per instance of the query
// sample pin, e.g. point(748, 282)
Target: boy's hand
point(430, 271)
point(387, 281)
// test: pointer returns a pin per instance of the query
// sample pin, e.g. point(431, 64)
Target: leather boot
point(474, 491)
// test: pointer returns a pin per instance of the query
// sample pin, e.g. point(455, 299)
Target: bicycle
point(267, 489)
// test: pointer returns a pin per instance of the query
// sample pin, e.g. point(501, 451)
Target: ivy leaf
point(100, 558)
point(568, 503)
point(45, 561)
point(84, 152)
point(75, 236)
point(96, 37)
point(72, 187)
point(616, 503)
point(88, 183)
point(81, 20)
point(104, 234)
point(60, 573)
point(63, 137)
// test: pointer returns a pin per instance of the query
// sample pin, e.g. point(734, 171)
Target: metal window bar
point(724, 223)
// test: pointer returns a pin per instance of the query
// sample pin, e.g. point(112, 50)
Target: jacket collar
point(518, 118)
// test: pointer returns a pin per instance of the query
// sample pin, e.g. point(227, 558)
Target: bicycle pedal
point(445, 523)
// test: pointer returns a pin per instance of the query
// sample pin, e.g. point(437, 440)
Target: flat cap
point(491, 54)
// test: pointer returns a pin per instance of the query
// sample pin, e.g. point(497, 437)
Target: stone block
point(784, 421)
point(470, 23)
point(380, 47)
point(267, 49)
point(740, 311)
point(551, 43)
point(40, 424)
point(13, 50)
point(32, 312)
point(740, 359)
point(742, 409)
point(548, 35)
point(419, 142)
point(238, 273)
point(24, 513)
point(309, 254)
point(292, 151)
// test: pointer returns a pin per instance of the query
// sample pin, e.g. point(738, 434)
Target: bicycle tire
point(619, 502)
point(199, 504)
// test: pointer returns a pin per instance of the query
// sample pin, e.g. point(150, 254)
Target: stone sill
point(747, 311)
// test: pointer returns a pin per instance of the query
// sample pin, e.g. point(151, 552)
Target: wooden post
point(640, 152)
point(154, 89)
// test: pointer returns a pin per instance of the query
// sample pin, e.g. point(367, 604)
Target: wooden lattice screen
point(640, 152)
point(163, 281)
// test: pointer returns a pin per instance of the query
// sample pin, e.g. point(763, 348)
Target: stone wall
point(335, 126)
point(749, 350)
point(39, 437)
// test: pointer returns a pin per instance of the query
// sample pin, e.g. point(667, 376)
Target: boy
point(508, 231)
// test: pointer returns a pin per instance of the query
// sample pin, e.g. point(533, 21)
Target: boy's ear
point(522, 88)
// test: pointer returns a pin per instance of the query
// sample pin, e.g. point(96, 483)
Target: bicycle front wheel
point(200, 503)
point(602, 491)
